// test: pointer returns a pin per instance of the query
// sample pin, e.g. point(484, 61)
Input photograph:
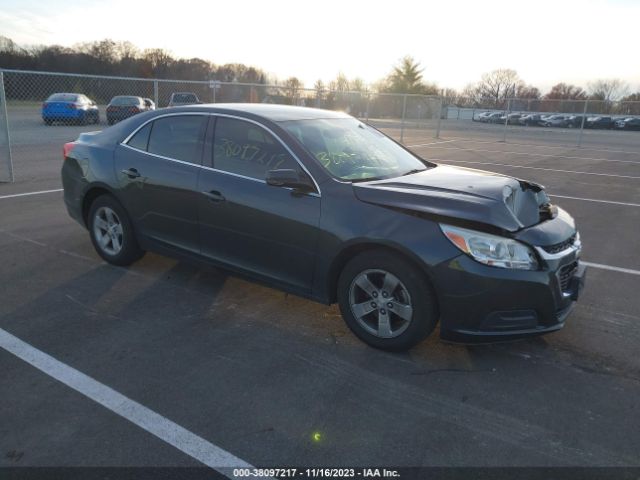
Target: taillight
point(45, 105)
point(134, 110)
point(66, 149)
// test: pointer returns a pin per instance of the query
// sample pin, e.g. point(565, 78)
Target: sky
point(455, 41)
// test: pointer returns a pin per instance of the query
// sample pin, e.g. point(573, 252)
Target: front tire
point(386, 301)
point(112, 232)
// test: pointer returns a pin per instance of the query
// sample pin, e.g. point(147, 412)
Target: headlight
point(491, 249)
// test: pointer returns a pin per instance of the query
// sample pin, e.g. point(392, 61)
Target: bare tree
point(498, 85)
point(528, 92)
point(292, 87)
point(608, 90)
point(159, 59)
point(630, 105)
point(320, 89)
point(357, 85)
point(565, 91)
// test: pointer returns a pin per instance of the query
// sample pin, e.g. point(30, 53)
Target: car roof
point(270, 111)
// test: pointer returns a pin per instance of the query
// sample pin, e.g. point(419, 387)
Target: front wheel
point(386, 300)
point(112, 233)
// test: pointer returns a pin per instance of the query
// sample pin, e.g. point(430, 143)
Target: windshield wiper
point(367, 179)
point(411, 172)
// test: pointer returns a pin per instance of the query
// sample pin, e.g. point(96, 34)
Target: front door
point(261, 229)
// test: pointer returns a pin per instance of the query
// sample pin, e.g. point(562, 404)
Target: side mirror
point(290, 178)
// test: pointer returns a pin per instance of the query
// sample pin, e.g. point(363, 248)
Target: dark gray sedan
point(322, 205)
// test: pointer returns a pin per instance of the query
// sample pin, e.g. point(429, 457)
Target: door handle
point(131, 173)
point(214, 196)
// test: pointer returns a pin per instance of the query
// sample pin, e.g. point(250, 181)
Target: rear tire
point(112, 232)
point(48, 123)
point(387, 301)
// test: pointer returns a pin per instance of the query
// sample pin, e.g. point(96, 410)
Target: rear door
point(265, 230)
point(158, 171)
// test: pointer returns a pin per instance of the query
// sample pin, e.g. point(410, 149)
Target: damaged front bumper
point(480, 303)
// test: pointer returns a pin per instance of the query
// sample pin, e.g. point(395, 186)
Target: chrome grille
point(565, 274)
point(559, 247)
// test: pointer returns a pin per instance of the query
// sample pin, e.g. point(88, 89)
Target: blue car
point(70, 108)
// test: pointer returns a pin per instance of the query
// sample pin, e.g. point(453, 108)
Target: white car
point(554, 121)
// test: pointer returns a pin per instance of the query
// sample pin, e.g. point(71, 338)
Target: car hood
point(466, 194)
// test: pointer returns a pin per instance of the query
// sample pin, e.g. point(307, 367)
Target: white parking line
point(154, 423)
point(612, 268)
point(546, 155)
point(470, 140)
point(612, 202)
point(30, 193)
point(432, 143)
point(535, 168)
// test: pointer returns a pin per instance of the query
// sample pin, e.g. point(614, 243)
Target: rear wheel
point(48, 122)
point(386, 301)
point(112, 233)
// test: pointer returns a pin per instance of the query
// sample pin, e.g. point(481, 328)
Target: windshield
point(184, 97)
point(63, 97)
point(125, 101)
point(351, 150)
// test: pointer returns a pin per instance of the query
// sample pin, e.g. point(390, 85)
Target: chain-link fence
point(34, 125)
point(35, 120)
point(561, 122)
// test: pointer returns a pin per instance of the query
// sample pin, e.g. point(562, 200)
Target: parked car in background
point(482, 117)
point(496, 117)
point(123, 106)
point(149, 104)
point(630, 123)
point(511, 119)
point(598, 122)
point(554, 121)
point(183, 98)
point(320, 204)
point(574, 121)
point(530, 120)
point(70, 108)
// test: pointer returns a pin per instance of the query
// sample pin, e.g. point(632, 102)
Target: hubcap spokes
point(108, 230)
point(380, 303)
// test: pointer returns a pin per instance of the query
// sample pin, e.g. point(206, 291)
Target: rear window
point(141, 139)
point(184, 97)
point(125, 101)
point(178, 137)
point(63, 97)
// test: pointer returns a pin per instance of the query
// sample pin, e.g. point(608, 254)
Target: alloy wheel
point(380, 303)
point(107, 229)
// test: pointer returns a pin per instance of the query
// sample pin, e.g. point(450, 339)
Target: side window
point(246, 149)
point(141, 138)
point(178, 137)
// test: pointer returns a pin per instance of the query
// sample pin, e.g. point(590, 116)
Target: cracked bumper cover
point(480, 304)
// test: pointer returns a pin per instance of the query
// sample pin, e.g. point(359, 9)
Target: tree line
point(108, 57)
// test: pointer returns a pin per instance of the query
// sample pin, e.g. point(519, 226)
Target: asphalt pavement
point(277, 380)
